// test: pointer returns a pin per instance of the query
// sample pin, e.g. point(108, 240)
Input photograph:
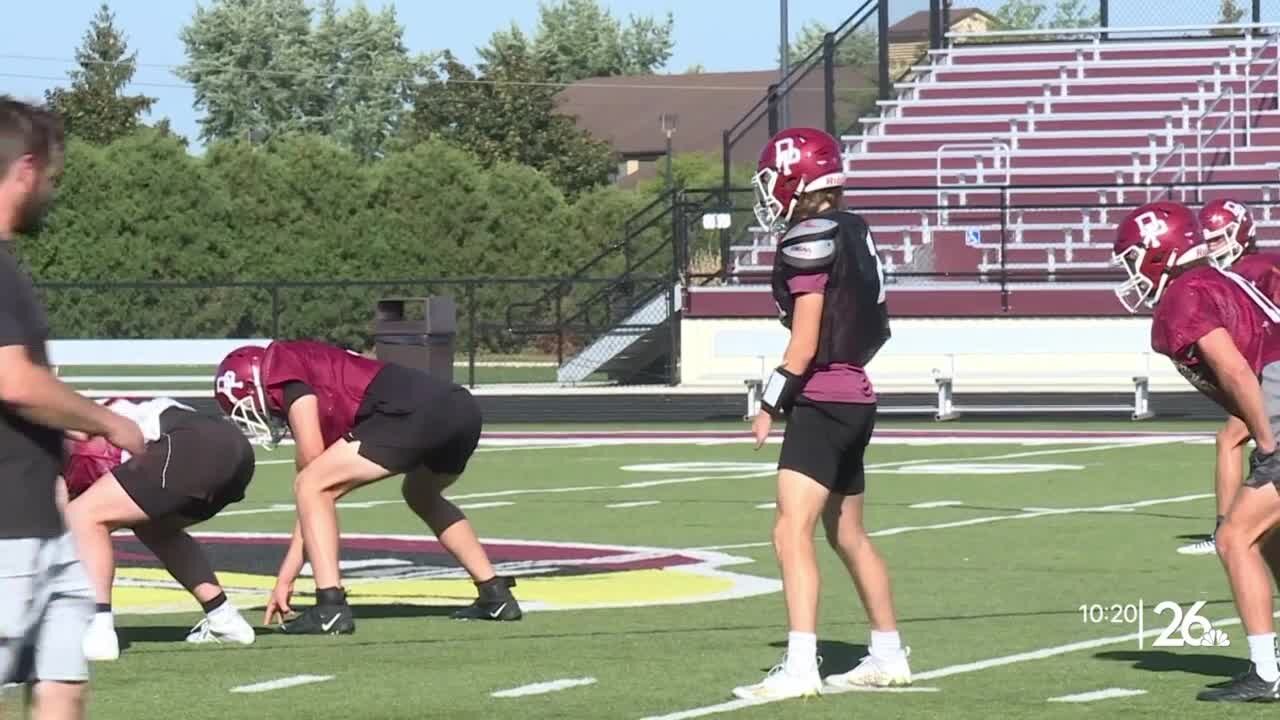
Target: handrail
point(1203, 139)
point(1180, 151)
point(1251, 86)
point(999, 154)
point(1098, 32)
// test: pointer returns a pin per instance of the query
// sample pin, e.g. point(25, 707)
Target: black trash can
point(417, 333)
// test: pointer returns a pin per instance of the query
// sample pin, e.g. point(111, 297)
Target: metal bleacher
point(1004, 167)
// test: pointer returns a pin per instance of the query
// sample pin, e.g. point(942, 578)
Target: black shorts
point(200, 465)
point(409, 420)
point(827, 442)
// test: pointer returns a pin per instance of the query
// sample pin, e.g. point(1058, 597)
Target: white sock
point(802, 652)
point(224, 610)
point(886, 645)
point(1262, 651)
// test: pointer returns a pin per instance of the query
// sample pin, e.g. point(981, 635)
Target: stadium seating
point(1016, 161)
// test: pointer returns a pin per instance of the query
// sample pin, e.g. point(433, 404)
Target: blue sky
point(38, 39)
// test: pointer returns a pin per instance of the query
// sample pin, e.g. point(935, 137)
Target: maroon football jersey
point(1261, 269)
point(86, 462)
point(1203, 300)
point(338, 377)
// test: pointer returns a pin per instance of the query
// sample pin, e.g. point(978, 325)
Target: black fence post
point(1004, 239)
point(725, 149)
point(1104, 15)
point(935, 24)
point(1257, 11)
point(885, 87)
point(559, 330)
point(275, 312)
point(472, 340)
point(829, 82)
point(773, 109)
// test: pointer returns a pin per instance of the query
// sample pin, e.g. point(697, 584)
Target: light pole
point(669, 122)
point(784, 111)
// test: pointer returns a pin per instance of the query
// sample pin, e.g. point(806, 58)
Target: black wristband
point(780, 391)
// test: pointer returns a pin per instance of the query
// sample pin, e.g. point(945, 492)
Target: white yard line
point(1098, 695)
point(955, 669)
point(638, 503)
point(738, 476)
point(544, 687)
point(479, 505)
point(1025, 515)
point(282, 683)
point(935, 504)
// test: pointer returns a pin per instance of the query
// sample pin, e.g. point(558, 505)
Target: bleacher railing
point(1103, 34)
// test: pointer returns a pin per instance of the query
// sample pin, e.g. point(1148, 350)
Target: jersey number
point(875, 256)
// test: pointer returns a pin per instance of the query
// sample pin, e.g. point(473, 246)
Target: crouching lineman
point(828, 283)
point(356, 421)
point(1229, 231)
point(193, 467)
point(1220, 331)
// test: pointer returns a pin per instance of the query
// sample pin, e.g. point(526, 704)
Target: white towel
point(146, 415)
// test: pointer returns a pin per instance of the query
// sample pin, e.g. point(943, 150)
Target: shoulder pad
point(810, 245)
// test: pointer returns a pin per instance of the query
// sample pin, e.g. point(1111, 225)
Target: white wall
point(145, 352)
point(988, 355)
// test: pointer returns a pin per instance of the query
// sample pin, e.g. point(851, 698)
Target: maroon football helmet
point(1151, 242)
point(1229, 230)
point(792, 163)
point(241, 395)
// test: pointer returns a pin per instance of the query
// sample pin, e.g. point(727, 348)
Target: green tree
point(861, 47)
point(577, 39)
point(505, 111)
point(1229, 14)
point(94, 107)
point(262, 68)
point(1032, 15)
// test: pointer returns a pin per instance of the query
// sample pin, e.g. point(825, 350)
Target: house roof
point(625, 111)
point(915, 27)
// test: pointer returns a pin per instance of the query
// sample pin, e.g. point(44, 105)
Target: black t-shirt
point(30, 455)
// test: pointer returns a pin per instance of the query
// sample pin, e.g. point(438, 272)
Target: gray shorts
point(45, 607)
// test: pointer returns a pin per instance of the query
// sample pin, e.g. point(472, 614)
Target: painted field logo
point(415, 570)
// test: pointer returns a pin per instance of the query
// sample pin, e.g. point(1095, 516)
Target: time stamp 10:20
point(1185, 628)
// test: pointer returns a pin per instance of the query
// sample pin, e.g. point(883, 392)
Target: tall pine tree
point(95, 107)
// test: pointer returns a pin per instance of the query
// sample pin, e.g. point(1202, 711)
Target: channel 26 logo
point(1188, 629)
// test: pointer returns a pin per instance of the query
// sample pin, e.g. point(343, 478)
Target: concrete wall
point(985, 355)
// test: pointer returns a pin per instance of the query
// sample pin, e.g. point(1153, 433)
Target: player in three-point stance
point(1220, 331)
point(829, 287)
point(1227, 226)
point(356, 421)
point(194, 466)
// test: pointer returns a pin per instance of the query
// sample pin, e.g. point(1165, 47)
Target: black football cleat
point(494, 603)
point(331, 615)
point(1244, 688)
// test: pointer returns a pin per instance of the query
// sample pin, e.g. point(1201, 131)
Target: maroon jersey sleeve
point(1185, 314)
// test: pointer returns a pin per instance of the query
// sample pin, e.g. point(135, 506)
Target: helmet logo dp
point(786, 154)
point(226, 383)
point(1151, 227)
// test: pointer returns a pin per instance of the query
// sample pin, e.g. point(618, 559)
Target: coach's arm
point(32, 391)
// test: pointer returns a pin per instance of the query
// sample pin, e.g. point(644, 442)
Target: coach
point(45, 600)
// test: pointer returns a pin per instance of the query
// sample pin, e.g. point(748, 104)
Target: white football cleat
point(1202, 547)
point(875, 672)
point(222, 627)
point(782, 685)
point(100, 643)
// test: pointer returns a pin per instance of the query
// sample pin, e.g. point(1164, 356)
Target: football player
point(1231, 235)
point(829, 287)
point(355, 421)
point(1220, 330)
point(194, 466)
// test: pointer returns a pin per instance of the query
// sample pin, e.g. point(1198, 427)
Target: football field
point(652, 591)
